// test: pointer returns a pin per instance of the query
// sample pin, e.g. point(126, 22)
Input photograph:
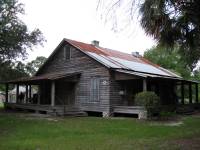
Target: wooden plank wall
point(115, 98)
point(88, 67)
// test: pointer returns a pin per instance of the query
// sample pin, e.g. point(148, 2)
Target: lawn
point(1, 105)
point(24, 132)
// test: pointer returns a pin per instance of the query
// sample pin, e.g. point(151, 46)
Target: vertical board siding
point(115, 98)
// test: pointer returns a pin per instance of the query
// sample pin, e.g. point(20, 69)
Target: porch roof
point(146, 75)
point(45, 77)
point(143, 74)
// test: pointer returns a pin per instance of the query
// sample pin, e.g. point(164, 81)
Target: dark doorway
point(65, 93)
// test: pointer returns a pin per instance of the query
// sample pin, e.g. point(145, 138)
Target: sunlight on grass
point(90, 133)
point(1, 105)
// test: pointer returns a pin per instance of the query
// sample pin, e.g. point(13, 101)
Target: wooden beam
point(7, 86)
point(144, 84)
point(53, 93)
point(123, 76)
point(30, 92)
point(39, 95)
point(17, 93)
point(182, 92)
point(190, 93)
point(26, 93)
point(175, 93)
point(197, 93)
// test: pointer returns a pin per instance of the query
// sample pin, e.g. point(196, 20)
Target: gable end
point(61, 49)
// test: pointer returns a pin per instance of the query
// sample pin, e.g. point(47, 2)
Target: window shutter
point(67, 52)
point(94, 89)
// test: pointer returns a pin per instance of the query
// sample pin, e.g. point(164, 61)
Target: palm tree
point(174, 22)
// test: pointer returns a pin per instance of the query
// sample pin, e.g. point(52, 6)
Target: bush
point(150, 101)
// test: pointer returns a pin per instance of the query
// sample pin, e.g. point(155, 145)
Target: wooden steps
point(134, 110)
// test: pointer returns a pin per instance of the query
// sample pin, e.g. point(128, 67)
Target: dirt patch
point(29, 115)
point(188, 144)
point(178, 123)
point(167, 123)
point(176, 120)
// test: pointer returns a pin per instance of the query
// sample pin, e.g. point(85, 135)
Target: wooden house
point(80, 78)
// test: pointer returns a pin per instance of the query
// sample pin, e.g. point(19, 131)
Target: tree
point(15, 38)
point(170, 22)
point(11, 71)
point(34, 65)
point(18, 69)
point(169, 59)
point(173, 22)
point(14, 34)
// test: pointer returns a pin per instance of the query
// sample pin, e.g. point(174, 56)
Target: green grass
point(1, 105)
point(90, 133)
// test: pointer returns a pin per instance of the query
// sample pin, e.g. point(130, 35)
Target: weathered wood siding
point(115, 87)
point(129, 86)
point(115, 98)
point(88, 67)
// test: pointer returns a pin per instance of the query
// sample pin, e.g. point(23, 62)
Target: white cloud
point(78, 20)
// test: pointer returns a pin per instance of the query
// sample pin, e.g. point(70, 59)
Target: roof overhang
point(146, 75)
point(45, 77)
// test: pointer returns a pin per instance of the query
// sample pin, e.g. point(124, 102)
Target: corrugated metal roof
point(119, 60)
point(145, 75)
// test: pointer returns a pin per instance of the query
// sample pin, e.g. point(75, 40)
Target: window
point(67, 52)
point(94, 90)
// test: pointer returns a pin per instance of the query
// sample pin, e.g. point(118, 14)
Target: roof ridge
point(117, 51)
point(100, 48)
point(119, 58)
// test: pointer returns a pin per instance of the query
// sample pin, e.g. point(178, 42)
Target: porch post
point(175, 93)
point(6, 98)
point(144, 84)
point(182, 92)
point(30, 93)
point(53, 93)
point(39, 94)
point(17, 93)
point(197, 94)
point(190, 93)
point(26, 94)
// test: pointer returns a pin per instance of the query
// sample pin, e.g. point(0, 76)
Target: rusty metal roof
point(119, 60)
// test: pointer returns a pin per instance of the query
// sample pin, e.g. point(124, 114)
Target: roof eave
point(149, 74)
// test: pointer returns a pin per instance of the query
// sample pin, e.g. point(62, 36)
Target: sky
point(78, 20)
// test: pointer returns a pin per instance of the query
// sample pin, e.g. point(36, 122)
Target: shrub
point(150, 101)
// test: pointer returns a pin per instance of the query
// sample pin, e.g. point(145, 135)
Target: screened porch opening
point(53, 93)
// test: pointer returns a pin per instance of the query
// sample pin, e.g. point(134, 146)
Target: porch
point(47, 109)
point(173, 92)
point(54, 94)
